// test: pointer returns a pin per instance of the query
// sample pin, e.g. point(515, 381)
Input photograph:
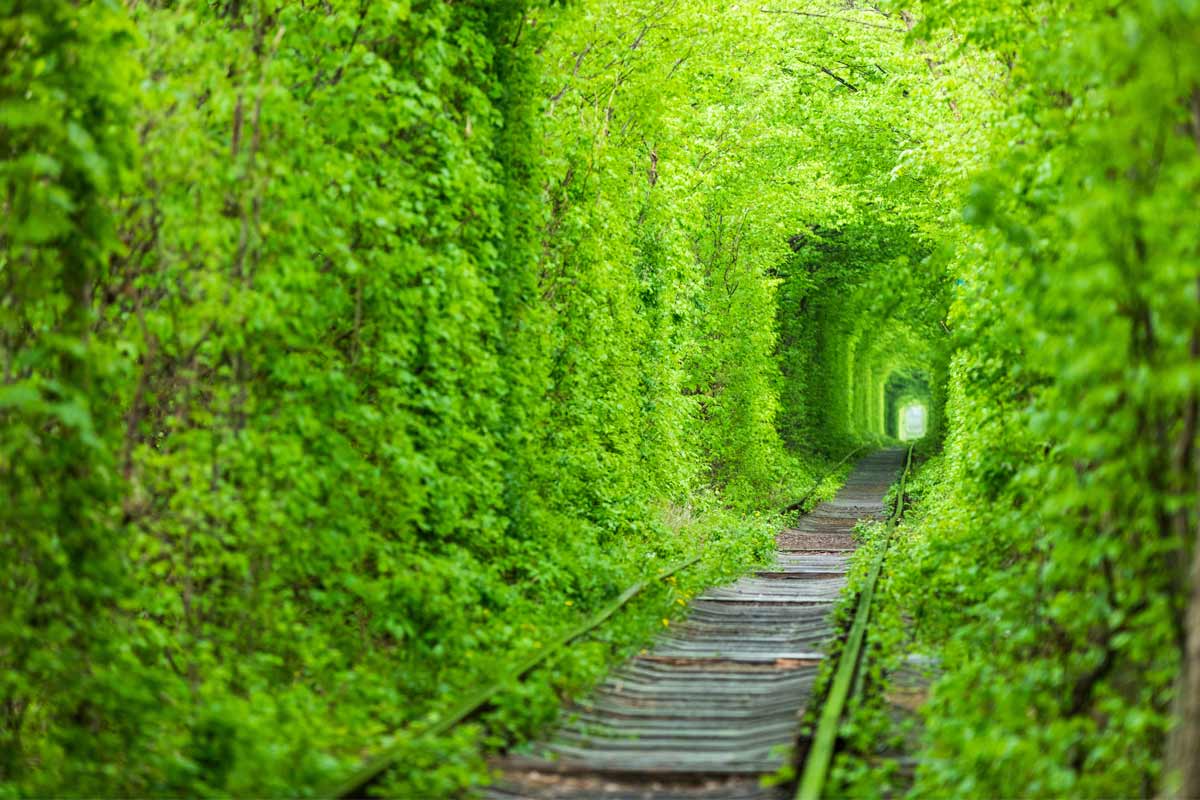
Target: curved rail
point(356, 784)
point(820, 754)
point(799, 504)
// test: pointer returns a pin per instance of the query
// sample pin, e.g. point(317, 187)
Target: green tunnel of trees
point(353, 350)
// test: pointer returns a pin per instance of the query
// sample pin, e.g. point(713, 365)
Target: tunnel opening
point(906, 404)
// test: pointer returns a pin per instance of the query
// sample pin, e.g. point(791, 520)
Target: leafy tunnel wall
point(354, 349)
point(855, 322)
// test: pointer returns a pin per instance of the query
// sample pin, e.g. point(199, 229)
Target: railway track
point(716, 703)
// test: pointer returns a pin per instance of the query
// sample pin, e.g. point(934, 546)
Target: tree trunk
point(1183, 747)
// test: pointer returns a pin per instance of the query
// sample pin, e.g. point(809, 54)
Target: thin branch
point(936, 73)
point(862, 22)
point(832, 74)
point(574, 73)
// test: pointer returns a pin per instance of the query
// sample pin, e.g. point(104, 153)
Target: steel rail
point(799, 504)
point(355, 784)
point(820, 754)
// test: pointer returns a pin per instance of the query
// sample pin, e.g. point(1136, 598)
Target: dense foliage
point(1066, 516)
point(353, 349)
point(1048, 567)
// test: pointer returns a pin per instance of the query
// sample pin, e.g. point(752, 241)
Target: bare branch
point(833, 75)
point(863, 22)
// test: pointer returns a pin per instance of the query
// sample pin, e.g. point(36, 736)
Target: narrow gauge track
point(717, 702)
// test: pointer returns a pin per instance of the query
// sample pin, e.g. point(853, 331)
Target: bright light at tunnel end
point(912, 421)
